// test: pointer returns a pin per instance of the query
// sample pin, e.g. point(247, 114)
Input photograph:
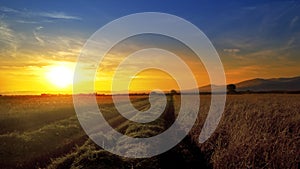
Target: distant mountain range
point(258, 84)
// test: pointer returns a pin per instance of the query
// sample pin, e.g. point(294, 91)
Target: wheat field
point(255, 131)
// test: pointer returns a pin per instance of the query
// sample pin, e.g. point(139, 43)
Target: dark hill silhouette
point(262, 85)
point(274, 84)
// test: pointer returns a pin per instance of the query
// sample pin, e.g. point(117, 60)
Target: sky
point(255, 39)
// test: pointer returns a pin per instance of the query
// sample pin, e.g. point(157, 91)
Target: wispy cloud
point(7, 39)
point(58, 15)
point(294, 21)
point(6, 9)
point(36, 35)
point(51, 15)
point(5, 32)
point(36, 45)
point(231, 50)
point(39, 28)
point(26, 22)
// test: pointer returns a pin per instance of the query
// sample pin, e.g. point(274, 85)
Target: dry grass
point(256, 131)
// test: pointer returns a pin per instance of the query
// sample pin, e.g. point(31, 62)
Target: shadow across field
point(185, 155)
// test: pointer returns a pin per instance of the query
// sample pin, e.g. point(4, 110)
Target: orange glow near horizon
point(57, 78)
point(52, 76)
point(152, 79)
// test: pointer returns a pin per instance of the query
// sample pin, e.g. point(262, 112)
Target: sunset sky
point(40, 40)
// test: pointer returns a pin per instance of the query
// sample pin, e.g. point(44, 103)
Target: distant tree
point(231, 88)
point(173, 92)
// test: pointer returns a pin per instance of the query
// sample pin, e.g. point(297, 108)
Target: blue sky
point(253, 38)
point(220, 18)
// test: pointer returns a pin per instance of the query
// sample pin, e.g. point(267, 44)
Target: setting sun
point(60, 76)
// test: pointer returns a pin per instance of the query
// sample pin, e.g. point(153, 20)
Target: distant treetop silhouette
point(231, 88)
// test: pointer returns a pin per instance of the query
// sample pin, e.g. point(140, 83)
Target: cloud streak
point(58, 15)
point(51, 15)
point(36, 35)
point(6, 9)
point(294, 21)
point(7, 39)
point(231, 50)
point(26, 22)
